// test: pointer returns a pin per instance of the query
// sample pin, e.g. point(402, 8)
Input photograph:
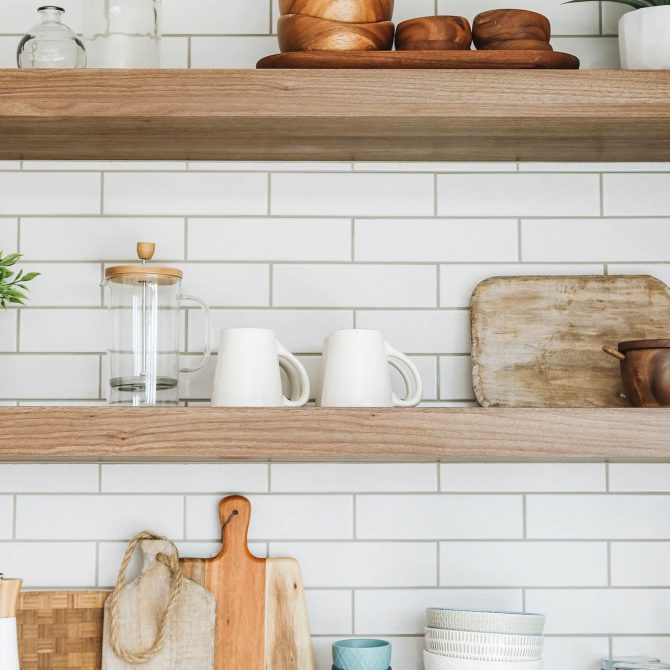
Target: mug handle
point(208, 332)
point(410, 375)
point(297, 377)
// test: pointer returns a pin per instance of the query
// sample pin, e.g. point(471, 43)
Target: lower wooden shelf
point(310, 434)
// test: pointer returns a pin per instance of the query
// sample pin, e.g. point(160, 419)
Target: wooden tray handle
point(615, 353)
point(235, 514)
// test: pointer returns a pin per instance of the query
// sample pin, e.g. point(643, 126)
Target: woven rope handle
point(172, 562)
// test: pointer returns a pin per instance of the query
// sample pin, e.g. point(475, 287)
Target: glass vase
point(122, 33)
point(50, 43)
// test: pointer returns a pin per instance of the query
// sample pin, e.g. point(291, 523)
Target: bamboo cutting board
point(537, 341)
point(61, 630)
point(261, 611)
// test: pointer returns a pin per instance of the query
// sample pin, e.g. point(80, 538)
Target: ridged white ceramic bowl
point(484, 646)
point(436, 662)
point(511, 623)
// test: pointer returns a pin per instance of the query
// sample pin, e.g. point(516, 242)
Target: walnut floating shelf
point(370, 115)
point(192, 434)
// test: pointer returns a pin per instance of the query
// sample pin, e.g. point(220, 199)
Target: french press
point(145, 303)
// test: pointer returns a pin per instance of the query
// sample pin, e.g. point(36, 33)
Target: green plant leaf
point(30, 276)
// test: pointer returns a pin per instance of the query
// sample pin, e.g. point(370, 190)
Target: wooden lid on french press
point(10, 590)
point(134, 274)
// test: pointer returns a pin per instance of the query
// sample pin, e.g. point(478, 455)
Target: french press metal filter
point(145, 302)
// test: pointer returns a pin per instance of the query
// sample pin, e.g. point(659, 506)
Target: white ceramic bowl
point(436, 662)
point(516, 623)
point(484, 646)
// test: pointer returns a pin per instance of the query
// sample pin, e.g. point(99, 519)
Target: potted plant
point(644, 35)
point(13, 283)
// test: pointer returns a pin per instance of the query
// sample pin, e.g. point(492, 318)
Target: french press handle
point(208, 332)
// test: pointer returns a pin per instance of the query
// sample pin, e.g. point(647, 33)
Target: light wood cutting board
point(537, 341)
point(261, 612)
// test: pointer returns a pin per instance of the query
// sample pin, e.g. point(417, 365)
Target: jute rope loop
point(172, 563)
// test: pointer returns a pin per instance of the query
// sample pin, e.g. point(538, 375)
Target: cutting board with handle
point(537, 341)
point(158, 598)
point(261, 611)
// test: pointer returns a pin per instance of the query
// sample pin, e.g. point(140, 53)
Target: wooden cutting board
point(61, 629)
point(190, 632)
point(421, 60)
point(537, 341)
point(261, 612)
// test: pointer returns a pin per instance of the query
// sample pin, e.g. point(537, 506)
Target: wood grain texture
point(190, 627)
point(518, 45)
point(537, 341)
point(348, 11)
point(10, 590)
point(262, 616)
point(296, 32)
point(70, 434)
point(335, 115)
point(288, 643)
point(61, 630)
point(236, 578)
point(500, 25)
point(423, 60)
point(453, 30)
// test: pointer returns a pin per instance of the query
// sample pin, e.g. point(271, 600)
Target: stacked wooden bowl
point(335, 25)
point(512, 30)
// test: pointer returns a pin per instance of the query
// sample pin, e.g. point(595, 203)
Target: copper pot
point(645, 370)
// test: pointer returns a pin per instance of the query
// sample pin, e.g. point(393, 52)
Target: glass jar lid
point(138, 274)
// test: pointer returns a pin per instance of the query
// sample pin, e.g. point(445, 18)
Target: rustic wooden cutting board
point(537, 341)
point(190, 632)
point(261, 611)
point(61, 629)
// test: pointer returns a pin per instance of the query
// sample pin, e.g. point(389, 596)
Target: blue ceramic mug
point(362, 654)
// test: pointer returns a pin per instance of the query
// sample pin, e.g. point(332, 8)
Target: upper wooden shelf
point(408, 115)
point(466, 435)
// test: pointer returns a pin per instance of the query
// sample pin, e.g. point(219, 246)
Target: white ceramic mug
point(355, 372)
point(248, 371)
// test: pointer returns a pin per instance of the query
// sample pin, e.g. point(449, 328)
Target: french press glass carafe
point(145, 303)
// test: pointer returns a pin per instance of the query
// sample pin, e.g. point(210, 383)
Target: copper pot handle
point(614, 353)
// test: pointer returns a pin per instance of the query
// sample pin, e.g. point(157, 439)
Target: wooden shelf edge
point(335, 115)
point(81, 434)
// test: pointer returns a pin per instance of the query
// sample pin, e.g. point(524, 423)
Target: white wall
point(306, 248)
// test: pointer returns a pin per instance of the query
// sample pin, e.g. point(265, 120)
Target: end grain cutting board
point(537, 341)
point(261, 611)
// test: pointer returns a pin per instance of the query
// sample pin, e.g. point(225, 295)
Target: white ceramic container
point(248, 371)
point(436, 662)
point(644, 39)
point(511, 623)
point(484, 646)
point(9, 650)
point(355, 372)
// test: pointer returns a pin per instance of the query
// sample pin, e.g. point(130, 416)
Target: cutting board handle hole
point(232, 515)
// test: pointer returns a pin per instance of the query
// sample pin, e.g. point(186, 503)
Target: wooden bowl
point(645, 371)
point(347, 11)
point(519, 45)
point(505, 25)
point(306, 33)
point(434, 32)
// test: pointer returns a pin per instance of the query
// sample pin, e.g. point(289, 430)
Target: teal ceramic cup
point(362, 655)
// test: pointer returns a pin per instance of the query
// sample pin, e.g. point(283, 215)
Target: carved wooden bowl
point(347, 11)
point(645, 371)
point(510, 25)
point(518, 45)
point(306, 33)
point(434, 32)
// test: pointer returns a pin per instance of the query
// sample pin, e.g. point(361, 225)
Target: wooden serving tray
point(421, 60)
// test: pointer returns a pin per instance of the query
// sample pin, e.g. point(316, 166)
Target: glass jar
point(122, 33)
point(145, 303)
point(50, 43)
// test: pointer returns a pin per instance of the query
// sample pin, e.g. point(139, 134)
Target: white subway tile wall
point(306, 248)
